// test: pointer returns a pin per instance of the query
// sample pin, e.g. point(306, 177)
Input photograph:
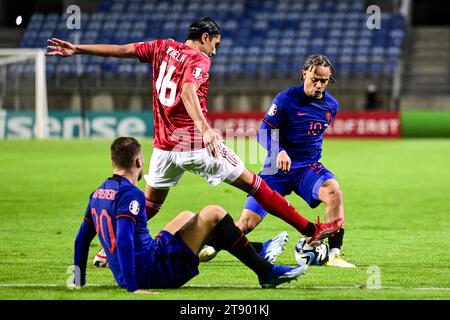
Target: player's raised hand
point(60, 48)
point(283, 161)
point(212, 141)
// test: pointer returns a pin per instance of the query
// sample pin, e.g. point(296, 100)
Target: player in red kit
point(183, 139)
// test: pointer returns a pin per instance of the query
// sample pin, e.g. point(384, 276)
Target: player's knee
point(186, 214)
point(335, 196)
point(214, 212)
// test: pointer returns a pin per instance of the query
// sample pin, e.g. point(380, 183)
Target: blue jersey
point(301, 121)
point(117, 198)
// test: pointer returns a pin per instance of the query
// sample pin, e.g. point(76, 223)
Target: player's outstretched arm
point(63, 48)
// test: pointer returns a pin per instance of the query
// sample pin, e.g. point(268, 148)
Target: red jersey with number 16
point(174, 64)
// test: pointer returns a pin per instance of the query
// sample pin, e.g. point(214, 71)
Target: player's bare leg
point(278, 206)
point(269, 250)
point(272, 201)
point(331, 195)
point(248, 221)
point(244, 182)
point(196, 230)
point(154, 199)
point(214, 222)
point(179, 221)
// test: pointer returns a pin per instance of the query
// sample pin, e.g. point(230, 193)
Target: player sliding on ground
point(183, 139)
point(116, 213)
point(297, 120)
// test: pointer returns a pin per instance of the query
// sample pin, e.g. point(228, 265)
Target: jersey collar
point(119, 179)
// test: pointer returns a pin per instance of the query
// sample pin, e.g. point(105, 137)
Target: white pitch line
point(24, 285)
point(317, 287)
point(216, 286)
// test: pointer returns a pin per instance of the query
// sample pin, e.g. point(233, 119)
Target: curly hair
point(318, 60)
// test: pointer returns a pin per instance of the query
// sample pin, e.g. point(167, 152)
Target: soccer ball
point(318, 255)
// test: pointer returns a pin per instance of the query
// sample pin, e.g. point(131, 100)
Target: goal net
point(23, 86)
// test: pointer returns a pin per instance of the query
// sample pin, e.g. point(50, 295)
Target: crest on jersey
point(197, 73)
point(272, 110)
point(134, 207)
point(328, 116)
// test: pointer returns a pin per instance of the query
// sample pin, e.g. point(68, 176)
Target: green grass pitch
point(396, 198)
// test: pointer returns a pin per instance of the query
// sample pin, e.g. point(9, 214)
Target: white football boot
point(335, 260)
point(100, 259)
point(207, 254)
point(273, 247)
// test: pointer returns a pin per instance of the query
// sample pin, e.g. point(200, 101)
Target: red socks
point(276, 205)
point(151, 208)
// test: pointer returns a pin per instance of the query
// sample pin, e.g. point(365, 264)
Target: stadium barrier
point(345, 125)
point(425, 124)
point(70, 124)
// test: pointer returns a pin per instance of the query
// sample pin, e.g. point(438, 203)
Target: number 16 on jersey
point(163, 83)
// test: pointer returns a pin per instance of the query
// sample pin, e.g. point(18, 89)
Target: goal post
point(23, 85)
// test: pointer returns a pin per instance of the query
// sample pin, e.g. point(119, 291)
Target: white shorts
point(167, 167)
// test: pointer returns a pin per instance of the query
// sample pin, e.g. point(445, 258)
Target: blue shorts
point(169, 263)
point(304, 181)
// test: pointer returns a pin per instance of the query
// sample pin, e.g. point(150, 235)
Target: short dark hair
point(202, 25)
point(318, 60)
point(123, 152)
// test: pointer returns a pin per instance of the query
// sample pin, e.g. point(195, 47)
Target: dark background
point(424, 12)
point(10, 9)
